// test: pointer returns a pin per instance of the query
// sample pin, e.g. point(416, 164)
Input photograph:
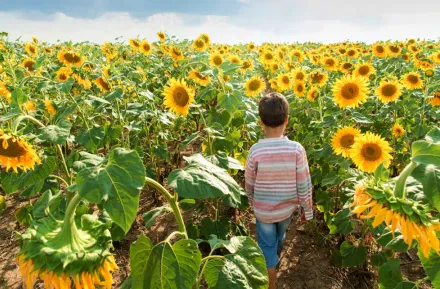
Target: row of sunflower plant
point(86, 124)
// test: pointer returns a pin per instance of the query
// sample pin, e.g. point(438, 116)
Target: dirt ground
point(304, 264)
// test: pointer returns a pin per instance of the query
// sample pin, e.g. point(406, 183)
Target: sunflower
point(346, 67)
point(393, 50)
point(352, 53)
point(16, 153)
point(216, 59)
point(178, 97)
point(63, 74)
point(199, 78)
point(145, 47)
point(5, 92)
point(369, 151)
point(205, 37)
point(85, 83)
point(406, 57)
point(313, 94)
point(379, 50)
point(254, 86)
point(234, 59)
point(161, 36)
point(274, 84)
point(134, 43)
point(199, 45)
point(343, 140)
point(364, 70)
point(398, 130)
point(435, 101)
point(436, 57)
point(330, 63)
point(350, 91)
point(28, 64)
point(424, 65)
point(388, 90)
point(284, 82)
point(413, 48)
point(318, 78)
point(299, 75)
point(70, 58)
point(34, 40)
point(267, 57)
point(299, 88)
point(102, 84)
point(48, 50)
point(298, 55)
point(31, 49)
point(29, 105)
point(274, 67)
point(251, 46)
point(247, 65)
point(412, 81)
point(176, 54)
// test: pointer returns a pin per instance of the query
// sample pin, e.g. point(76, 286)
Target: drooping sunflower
point(388, 90)
point(398, 130)
point(178, 97)
point(31, 49)
point(34, 40)
point(30, 105)
point(49, 107)
point(16, 153)
point(379, 50)
point(28, 64)
point(299, 88)
point(145, 47)
point(435, 101)
point(5, 92)
point(84, 82)
point(161, 36)
point(254, 86)
point(205, 37)
point(393, 50)
point(330, 63)
point(63, 74)
point(247, 65)
point(412, 80)
point(364, 70)
point(176, 54)
point(199, 78)
point(318, 78)
point(346, 67)
point(424, 65)
point(313, 94)
point(369, 151)
point(134, 43)
point(343, 140)
point(216, 59)
point(102, 84)
point(350, 91)
point(284, 82)
point(274, 84)
point(70, 58)
point(406, 57)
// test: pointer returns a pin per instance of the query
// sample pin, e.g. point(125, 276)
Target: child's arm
point(250, 175)
point(304, 184)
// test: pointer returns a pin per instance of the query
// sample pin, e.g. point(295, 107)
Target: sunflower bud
point(429, 73)
point(372, 77)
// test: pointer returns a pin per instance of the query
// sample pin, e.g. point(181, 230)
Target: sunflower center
point(146, 47)
point(348, 65)
point(72, 57)
point(286, 80)
point(317, 78)
point(389, 90)
point(351, 52)
point(235, 60)
point(268, 56)
point(300, 76)
point(300, 88)
point(394, 49)
point(11, 148)
point(414, 79)
point(63, 76)
point(371, 152)
point(342, 51)
point(104, 84)
point(246, 64)
point(350, 91)
point(29, 65)
point(200, 44)
point(330, 62)
point(217, 60)
point(347, 140)
point(181, 97)
point(364, 70)
point(380, 49)
point(32, 49)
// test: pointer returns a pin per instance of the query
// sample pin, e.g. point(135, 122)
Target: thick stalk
point(205, 262)
point(172, 200)
point(207, 131)
point(399, 189)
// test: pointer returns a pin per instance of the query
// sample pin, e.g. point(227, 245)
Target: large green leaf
point(151, 216)
point(389, 274)
point(429, 176)
point(244, 268)
point(139, 252)
point(431, 267)
point(342, 223)
point(406, 285)
point(352, 256)
point(173, 267)
point(91, 138)
point(230, 101)
point(116, 183)
point(433, 135)
point(391, 242)
point(425, 152)
point(56, 134)
point(219, 228)
point(18, 97)
point(202, 179)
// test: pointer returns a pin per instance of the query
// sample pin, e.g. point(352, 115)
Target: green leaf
point(427, 153)
point(24, 215)
point(116, 183)
point(87, 160)
point(352, 256)
point(431, 267)
point(389, 274)
point(429, 176)
point(379, 259)
point(18, 97)
point(219, 228)
point(10, 114)
point(151, 216)
point(99, 100)
point(360, 118)
point(91, 138)
point(187, 204)
point(229, 68)
point(395, 243)
point(117, 93)
point(47, 201)
point(433, 135)
point(381, 173)
point(139, 253)
point(342, 222)
point(202, 179)
point(244, 268)
point(406, 285)
point(189, 139)
point(56, 134)
point(176, 266)
point(67, 85)
point(230, 101)
point(161, 151)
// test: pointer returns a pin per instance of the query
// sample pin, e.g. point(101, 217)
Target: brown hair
point(273, 109)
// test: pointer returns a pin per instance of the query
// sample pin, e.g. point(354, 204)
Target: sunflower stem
point(399, 188)
point(172, 200)
point(207, 131)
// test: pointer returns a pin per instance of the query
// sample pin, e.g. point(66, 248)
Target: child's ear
point(286, 121)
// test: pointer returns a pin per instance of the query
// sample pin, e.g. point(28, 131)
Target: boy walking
point(277, 180)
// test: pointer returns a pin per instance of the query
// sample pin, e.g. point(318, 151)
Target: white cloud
point(277, 21)
point(244, 1)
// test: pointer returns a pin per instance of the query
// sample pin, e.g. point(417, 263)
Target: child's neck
point(274, 132)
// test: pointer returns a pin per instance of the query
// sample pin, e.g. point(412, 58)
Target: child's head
point(273, 110)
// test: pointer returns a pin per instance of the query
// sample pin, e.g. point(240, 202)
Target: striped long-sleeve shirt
point(278, 179)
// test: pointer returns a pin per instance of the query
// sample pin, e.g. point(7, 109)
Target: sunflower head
point(284, 82)
point(393, 50)
point(346, 67)
point(267, 57)
point(247, 65)
point(70, 58)
point(313, 94)
point(350, 91)
point(178, 97)
point(63, 74)
point(251, 46)
point(343, 140)
point(379, 50)
point(16, 153)
point(388, 90)
point(398, 130)
point(176, 54)
point(29, 105)
point(134, 43)
point(145, 47)
point(31, 49)
point(318, 78)
point(205, 37)
point(49, 107)
point(274, 67)
point(28, 64)
point(364, 70)
point(435, 101)
point(254, 86)
point(199, 78)
point(199, 45)
point(369, 151)
point(299, 88)
point(102, 84)
point(161, 36)
point(412, 80)
point(330, 63)
point(216, 59)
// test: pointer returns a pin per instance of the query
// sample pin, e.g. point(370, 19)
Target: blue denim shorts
point(271, 238)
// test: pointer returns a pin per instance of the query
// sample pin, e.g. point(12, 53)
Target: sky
point(226, 21)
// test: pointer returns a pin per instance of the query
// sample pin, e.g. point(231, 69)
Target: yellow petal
point(373, 211)
point(389, 217)
point(380, 217)
point(395, 222)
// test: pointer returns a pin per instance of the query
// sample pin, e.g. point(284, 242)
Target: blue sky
point(227, 21)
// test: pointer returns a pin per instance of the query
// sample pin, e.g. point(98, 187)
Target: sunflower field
point(85, 129)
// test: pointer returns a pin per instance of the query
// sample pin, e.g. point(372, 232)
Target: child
point(277, 180)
